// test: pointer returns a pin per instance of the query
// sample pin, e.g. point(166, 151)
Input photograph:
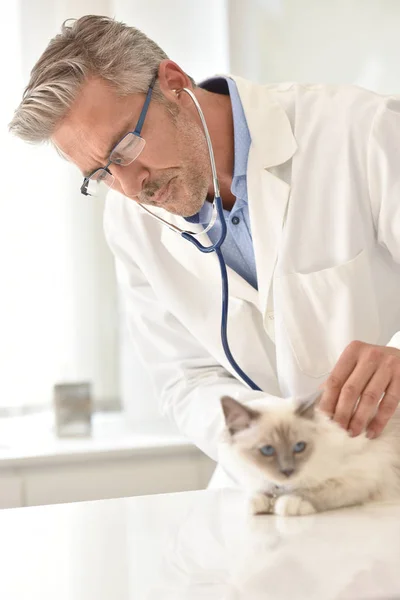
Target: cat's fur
point(333, 471)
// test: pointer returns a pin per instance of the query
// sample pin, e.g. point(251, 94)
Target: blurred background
point(61, 317)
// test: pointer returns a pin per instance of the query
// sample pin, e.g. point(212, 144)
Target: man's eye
point(102, 176)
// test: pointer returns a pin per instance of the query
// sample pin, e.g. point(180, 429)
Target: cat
point(293, 460)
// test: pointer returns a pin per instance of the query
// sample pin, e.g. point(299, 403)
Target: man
point(309, 179)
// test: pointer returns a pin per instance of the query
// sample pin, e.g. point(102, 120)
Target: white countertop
point(31, 441)
point(195, 546)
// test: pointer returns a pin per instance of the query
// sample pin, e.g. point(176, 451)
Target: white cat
point(294, 460)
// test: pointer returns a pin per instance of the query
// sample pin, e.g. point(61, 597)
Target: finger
point(386, 409)
point(352, 390)
point(369, 400)
point(341, 372)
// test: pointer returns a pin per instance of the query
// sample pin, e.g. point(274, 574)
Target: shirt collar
point(241, 133)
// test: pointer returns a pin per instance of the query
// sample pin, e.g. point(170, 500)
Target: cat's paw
point(261, 504)
point(291, 505)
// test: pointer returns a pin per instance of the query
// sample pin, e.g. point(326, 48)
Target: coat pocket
point(324, 311)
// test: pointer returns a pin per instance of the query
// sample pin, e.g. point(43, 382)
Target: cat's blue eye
point(267, 450)
point(299, 447)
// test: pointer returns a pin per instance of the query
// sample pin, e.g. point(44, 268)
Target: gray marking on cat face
point(285, 463)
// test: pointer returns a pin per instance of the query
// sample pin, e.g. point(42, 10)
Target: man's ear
point(237, 415)
point(305, 407)
point(171, 79)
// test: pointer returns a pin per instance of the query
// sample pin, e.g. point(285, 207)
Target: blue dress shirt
point(237, 248)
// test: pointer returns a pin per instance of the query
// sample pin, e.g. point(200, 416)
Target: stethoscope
point(217, 212)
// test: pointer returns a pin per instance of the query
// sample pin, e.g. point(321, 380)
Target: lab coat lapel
point(205, 266)
point(268, 198)
point(272, 144)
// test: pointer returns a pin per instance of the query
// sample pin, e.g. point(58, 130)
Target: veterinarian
point(304, 203)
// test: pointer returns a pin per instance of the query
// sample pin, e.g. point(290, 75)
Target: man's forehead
point(79, 145)
point(98, 96)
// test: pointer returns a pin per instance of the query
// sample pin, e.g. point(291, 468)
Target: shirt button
point(235, 220)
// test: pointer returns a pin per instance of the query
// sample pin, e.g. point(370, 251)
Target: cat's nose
point(287, 472)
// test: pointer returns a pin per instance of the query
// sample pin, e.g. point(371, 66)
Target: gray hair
point(90, 46)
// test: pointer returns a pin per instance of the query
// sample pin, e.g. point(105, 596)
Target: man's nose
point(129, 179)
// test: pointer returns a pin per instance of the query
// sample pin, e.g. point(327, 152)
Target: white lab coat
point(324, 199)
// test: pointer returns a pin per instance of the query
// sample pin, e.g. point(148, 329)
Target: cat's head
point(277, 439)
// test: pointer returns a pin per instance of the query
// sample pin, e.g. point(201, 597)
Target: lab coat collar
point(271, 133)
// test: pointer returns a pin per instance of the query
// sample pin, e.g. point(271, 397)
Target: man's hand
point(366, 373)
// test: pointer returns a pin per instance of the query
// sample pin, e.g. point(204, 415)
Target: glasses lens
point(98, 181)
point(127, 150)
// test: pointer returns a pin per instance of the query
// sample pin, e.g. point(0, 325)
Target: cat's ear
point(305, 407)
point(237, 415)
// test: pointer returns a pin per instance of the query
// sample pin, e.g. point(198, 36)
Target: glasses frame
point(137, 131)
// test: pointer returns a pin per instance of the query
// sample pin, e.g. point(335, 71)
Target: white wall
point(341, 41)
point(193, 34)
point(58, 302)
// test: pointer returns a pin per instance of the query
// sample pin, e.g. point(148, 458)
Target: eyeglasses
point(123, 153)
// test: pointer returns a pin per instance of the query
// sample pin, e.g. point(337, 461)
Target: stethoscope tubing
point(190, 236)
